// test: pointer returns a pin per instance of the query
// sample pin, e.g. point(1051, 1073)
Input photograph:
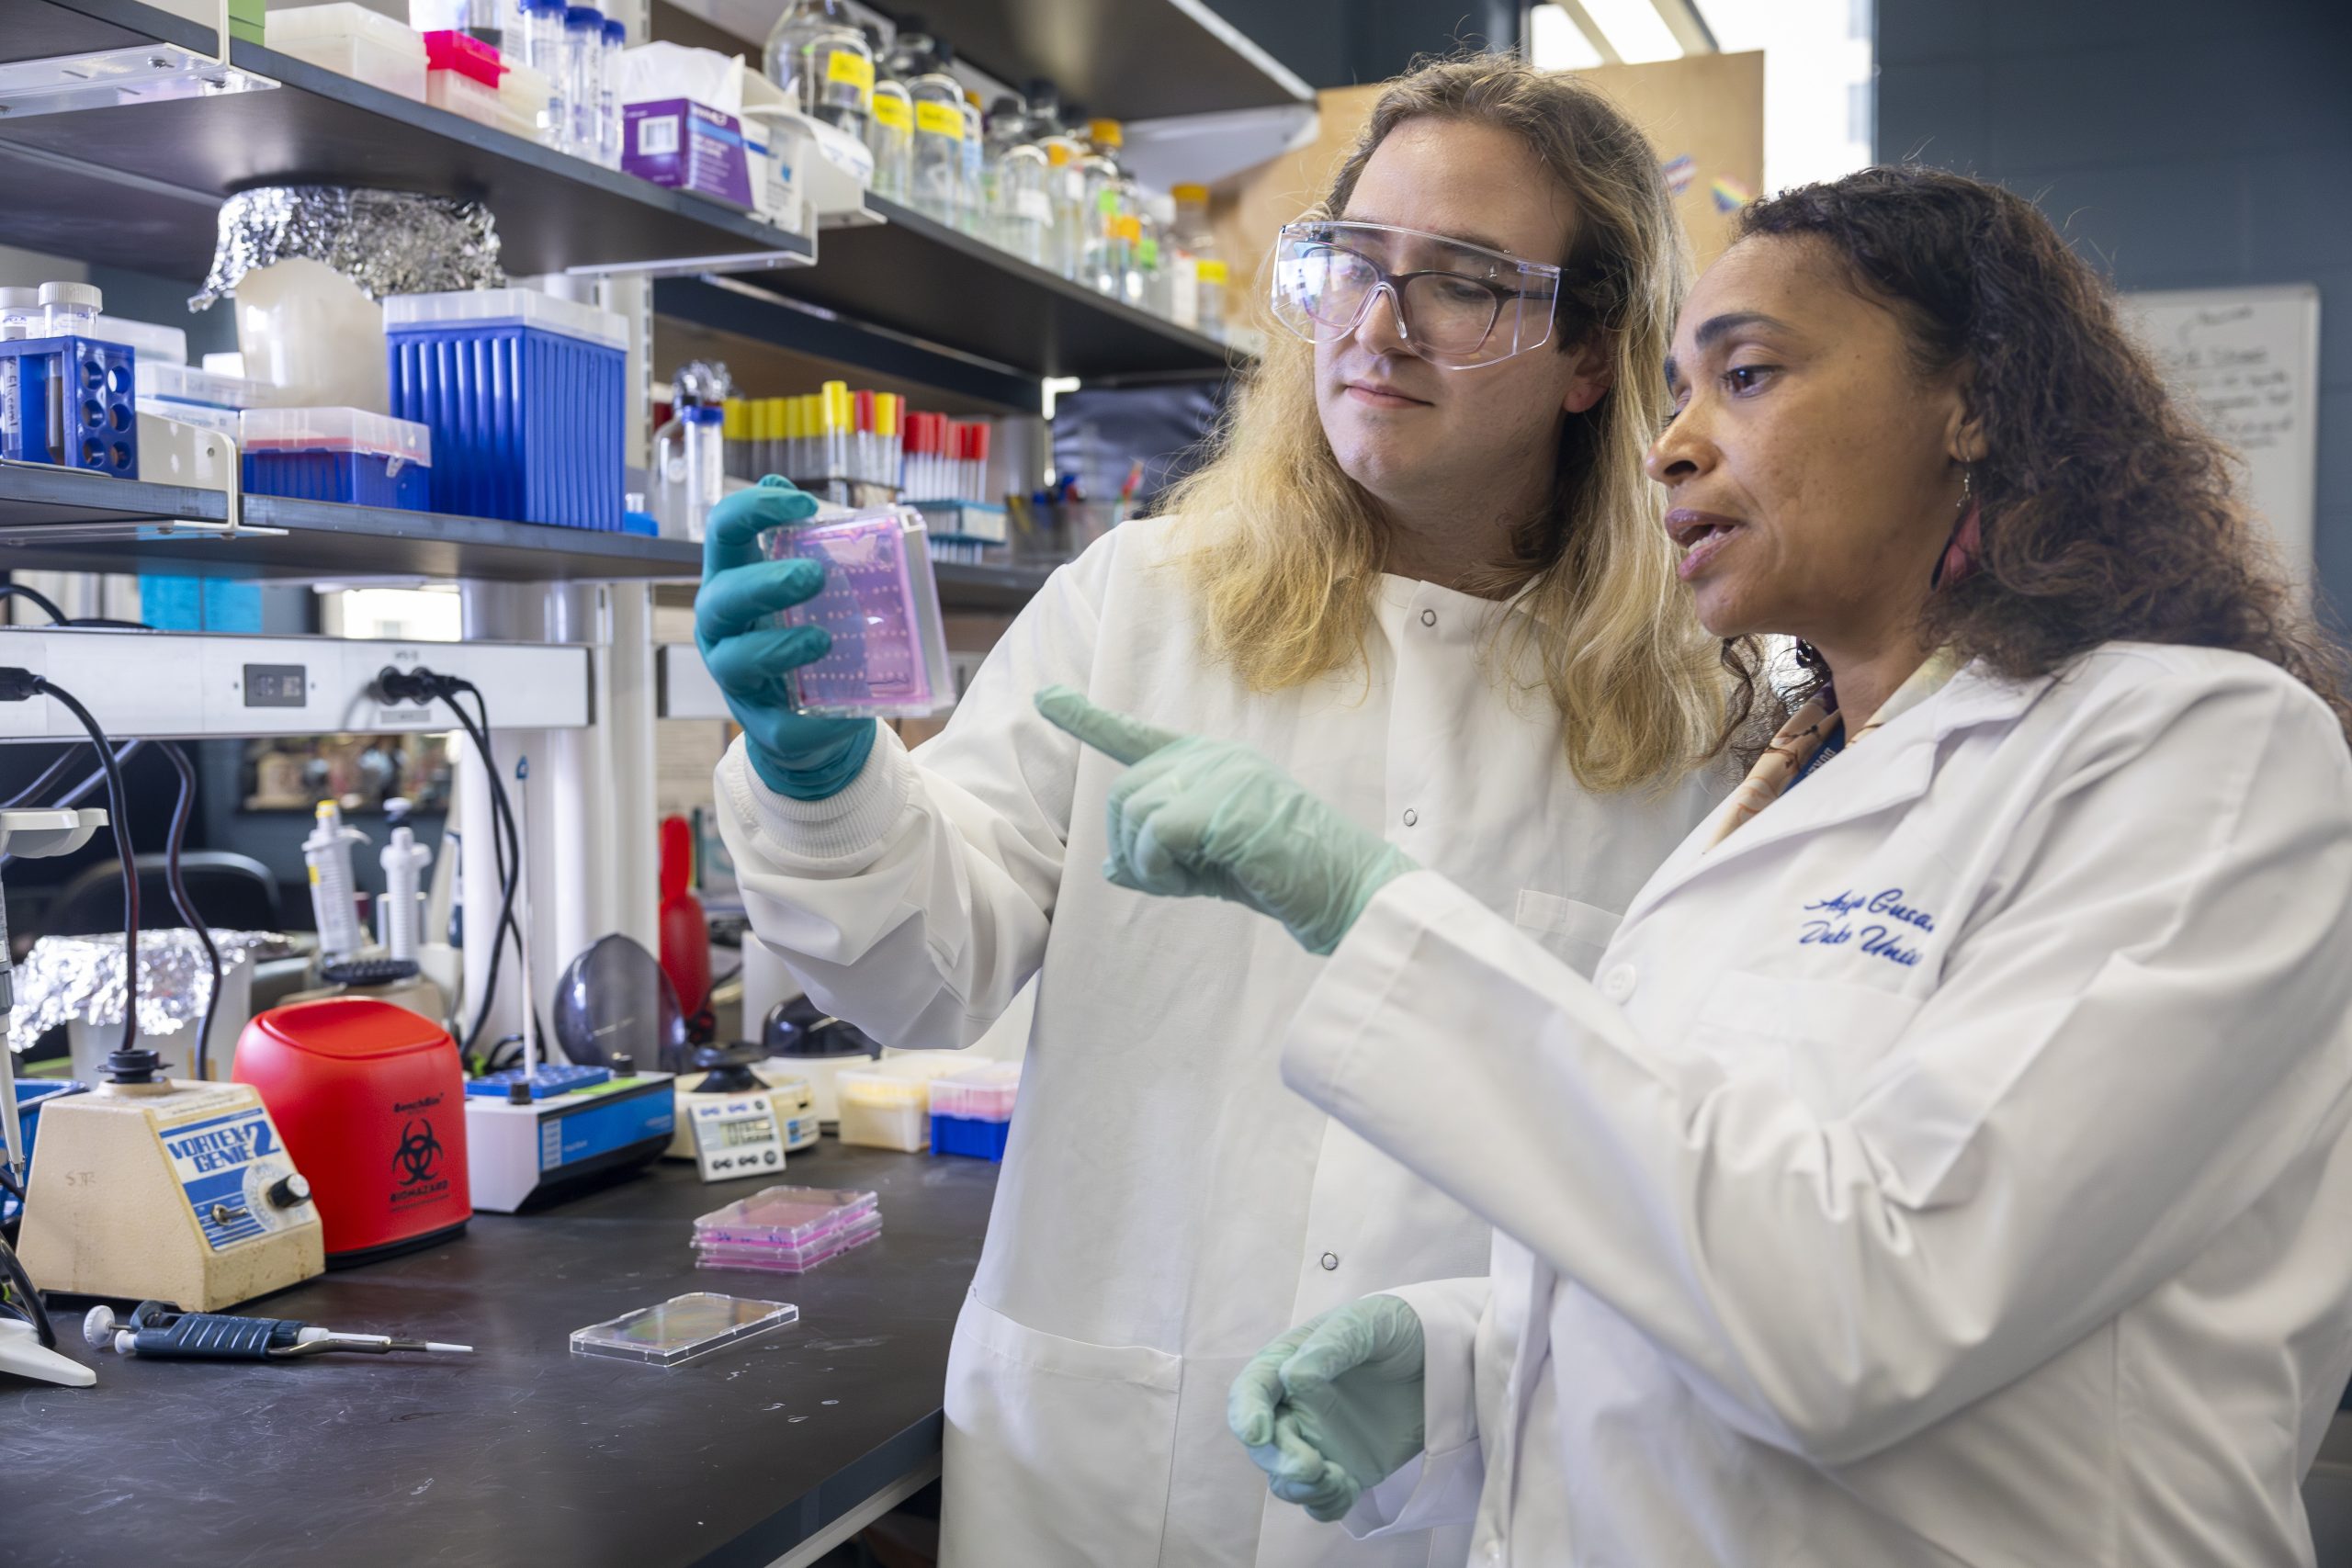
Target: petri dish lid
point(682, 1327)
point(505, 308)
point(786, 1217)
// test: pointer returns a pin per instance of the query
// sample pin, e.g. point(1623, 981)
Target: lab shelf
point(768, 340)
point(319, 539)
point(1137, 59)
point(926, 280)
point(140, 185)
point(962, 586)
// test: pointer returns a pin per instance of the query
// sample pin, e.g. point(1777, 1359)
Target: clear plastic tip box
point(70, 401)
point(526, 398)
point(881, 607)
point(346, 454)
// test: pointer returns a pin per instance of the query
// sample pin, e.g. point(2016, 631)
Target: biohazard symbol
point(418, 1152)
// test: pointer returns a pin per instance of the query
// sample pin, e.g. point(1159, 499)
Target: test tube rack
point(70, 401)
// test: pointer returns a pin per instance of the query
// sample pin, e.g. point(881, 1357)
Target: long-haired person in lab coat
point(1948, 1163)
point(1425, 570)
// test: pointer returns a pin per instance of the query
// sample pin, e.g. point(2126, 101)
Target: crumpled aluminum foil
point(387, 241)
point(66, 977)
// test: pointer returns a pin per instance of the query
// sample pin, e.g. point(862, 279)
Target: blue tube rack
point(71, 401)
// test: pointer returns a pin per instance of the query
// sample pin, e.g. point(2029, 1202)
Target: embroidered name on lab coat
point(1880, 925)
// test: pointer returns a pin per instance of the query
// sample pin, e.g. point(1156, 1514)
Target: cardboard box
point(687, 146)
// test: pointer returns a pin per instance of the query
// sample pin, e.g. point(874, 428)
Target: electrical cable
point(42, 601)
point(118, 804)
point(32, 791)
point(505, 841)
point(20, 1300)
point(508, 851)
point(182, 809)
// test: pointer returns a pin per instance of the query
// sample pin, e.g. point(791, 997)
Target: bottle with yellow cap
point(935, 180)
point(1066, 199)
point(890, 134)
point(816, 53)
point(1108, 249)
point(1196, 242)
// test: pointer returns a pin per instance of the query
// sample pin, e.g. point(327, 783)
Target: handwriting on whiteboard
point(2249, 397)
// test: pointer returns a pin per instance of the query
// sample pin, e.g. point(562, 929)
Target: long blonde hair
point(1291, 549)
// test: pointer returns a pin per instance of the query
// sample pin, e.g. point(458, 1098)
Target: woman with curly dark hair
point(1948, 1161)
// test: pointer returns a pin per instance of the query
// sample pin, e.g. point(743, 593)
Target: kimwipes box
point(687, 146)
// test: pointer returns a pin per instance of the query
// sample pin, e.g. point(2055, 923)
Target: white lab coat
point(1949, 1167)
point(1166, 1207)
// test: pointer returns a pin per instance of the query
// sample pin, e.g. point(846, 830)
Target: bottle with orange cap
point(1109, 247)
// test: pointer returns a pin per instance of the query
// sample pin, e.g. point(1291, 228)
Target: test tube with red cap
point(979, 460)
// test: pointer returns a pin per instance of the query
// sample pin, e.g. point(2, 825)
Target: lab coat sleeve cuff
point(838, 832)
point(1441, 1487)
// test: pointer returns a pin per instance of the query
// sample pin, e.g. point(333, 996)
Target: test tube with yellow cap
point(735, 428)
point(835, 413)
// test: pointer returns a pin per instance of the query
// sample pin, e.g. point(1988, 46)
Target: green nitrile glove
point(1198, 818)
point(1335, 1406)
point(794, 754)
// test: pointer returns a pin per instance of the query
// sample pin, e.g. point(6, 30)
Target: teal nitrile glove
point(1195, 818)
point(794, 754)
point(1335, 1406)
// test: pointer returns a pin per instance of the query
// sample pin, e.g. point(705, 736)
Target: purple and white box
point(687, 146)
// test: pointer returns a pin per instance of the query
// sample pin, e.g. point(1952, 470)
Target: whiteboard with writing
point(2248, 359)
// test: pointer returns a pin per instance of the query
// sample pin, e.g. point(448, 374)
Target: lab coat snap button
point(1330, 1261)
point(1411, 817)
point(1618, 983)
point(1429, 618)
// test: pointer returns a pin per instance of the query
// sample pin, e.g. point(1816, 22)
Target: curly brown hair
point(2107, 512)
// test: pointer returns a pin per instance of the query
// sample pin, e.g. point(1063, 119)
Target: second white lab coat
point(1948, 1167)
point(1166, 1207)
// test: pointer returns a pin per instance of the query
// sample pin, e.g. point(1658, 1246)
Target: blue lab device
point(31, 1094)
point(526, 397)
point(552, 1079)
point(71, 401)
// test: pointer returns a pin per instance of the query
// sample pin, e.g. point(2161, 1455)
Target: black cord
point(21, 1300)
point(47, 605)
point(118, 804)
point(506, 835)
point(182, 809)
point(506, 849)
point(33, 791)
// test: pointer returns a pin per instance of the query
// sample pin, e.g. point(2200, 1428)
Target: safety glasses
point(1457, 305)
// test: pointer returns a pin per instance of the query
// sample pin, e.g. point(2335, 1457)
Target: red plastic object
point(465, 54)
point(371, 1102)
point(685, 931)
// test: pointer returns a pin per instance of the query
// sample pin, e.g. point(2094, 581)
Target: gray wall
point(1339, 43)
point(2180, 143)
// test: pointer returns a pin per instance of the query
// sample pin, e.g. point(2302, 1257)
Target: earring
point(1967, 535)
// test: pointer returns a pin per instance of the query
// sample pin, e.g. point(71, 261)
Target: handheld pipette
point(159, 1333)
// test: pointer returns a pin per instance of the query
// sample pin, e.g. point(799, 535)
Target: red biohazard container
point(371, 1102)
